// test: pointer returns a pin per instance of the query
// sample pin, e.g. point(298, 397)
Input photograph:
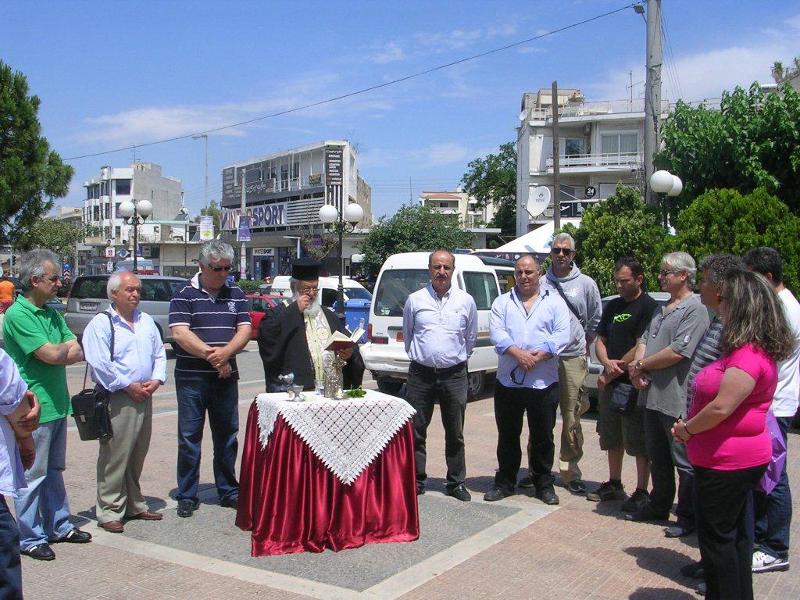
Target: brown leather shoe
point(147, 515)
point(113, 526)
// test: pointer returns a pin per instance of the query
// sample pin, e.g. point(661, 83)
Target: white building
point(283, 194)
point(464, 208)
point(600, 145)
point(164, 227)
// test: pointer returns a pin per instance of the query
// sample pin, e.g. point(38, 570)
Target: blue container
point(355, 310)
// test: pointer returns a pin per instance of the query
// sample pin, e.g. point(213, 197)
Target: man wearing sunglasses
point(582, 297)
point(210, 325)
point(529, 328)
point(39, 342)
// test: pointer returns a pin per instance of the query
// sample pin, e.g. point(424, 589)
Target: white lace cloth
point(346, 435)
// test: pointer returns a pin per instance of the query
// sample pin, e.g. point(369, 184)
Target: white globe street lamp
point(664, 182)
point(135, 213)
point(341, 221)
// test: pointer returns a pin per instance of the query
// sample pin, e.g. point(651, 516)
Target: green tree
point(212, 209)
point(727, 221)
point(58, 236)
point(752, 141)
point(411, 229)
point(494, 180)
point(620, 226)
point(31, 175)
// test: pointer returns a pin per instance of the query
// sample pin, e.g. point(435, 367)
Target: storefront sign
point(207, 228)
point(263, 251)
point(334, 166)
point(267, 215)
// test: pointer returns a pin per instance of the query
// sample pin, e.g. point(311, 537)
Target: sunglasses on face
point(220, 269)
point(564, 251)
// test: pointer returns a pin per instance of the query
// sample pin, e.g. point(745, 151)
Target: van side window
point(395, 286)
point(482, 287)
point(328, 297)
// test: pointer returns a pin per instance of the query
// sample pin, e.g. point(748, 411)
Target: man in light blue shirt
point(440, 326)
point(138, 368)
point(529, 328)
point(19, 416)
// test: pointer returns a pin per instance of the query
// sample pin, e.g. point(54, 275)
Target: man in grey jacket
point(582, 297)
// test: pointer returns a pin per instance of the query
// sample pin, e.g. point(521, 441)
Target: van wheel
point(475, 382)
point(389, 386)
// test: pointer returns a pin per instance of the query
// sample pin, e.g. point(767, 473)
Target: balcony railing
point(608, 107)
point(620, 159)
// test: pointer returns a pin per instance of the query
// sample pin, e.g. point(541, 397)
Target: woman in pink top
point(728, 442)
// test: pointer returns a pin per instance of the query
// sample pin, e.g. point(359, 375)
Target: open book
point(340, 341)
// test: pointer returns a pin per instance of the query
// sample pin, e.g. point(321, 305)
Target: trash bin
point(355, 310)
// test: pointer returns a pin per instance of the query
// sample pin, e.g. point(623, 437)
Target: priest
point(292, 339)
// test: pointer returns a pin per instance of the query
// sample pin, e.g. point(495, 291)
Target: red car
point(257, 305)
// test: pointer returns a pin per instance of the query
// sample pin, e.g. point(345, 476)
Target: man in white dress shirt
point(440, 326)
point(137, 370)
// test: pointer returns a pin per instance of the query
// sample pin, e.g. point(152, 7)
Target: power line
point(362, 90)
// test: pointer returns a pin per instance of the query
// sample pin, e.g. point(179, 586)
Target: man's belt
point(439, 371)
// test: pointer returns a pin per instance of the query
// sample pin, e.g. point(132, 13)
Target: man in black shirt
point(621, 422)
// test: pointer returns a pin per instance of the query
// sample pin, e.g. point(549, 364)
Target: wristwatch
point(638, 365)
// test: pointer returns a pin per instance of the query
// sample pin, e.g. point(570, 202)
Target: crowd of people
point(685, 387)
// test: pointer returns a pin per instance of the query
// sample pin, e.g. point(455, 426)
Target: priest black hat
point(305, 269)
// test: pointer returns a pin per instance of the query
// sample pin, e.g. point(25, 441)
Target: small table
point(327, 474)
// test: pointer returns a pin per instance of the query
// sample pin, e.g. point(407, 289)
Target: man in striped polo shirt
point(210, 325)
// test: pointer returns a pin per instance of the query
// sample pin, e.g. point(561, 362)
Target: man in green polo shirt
point(39, 342)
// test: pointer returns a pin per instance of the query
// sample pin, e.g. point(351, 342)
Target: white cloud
point(443, 154)
point(148, 123)
point(391, 52)
point(706, 74)
point(433, 155)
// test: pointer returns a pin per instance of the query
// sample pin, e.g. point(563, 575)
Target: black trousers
point(423, 388)
point(10, 570)
point(723, 534)
point(510, 404)
point(666, 455)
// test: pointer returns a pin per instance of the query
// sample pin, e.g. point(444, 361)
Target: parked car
point(88, 297)
point(595, 367)
point(257, 305)
point(402, 274)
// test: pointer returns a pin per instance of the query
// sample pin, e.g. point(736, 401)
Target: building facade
point(282, 194)
point(165, 236)
point(465, 210)
point(600, 146)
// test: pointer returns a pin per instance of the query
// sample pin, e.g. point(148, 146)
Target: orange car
point(257, 305)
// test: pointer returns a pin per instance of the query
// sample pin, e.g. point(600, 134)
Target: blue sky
point(111, 74)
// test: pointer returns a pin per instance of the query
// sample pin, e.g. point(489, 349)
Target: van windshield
point(354, 293)
point(395, 287)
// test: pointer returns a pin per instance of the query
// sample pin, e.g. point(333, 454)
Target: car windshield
point(358, 294)
point(89, 287)
point(395, 287)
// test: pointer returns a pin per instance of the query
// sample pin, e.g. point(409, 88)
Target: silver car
point(88, 297)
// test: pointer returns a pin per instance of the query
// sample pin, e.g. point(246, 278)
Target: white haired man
point(210, 324)
point(132, 375)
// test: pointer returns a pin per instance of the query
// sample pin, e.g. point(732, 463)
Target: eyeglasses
point(664, 273)
point(311, 290)
point(564, 251)
point(220, 269)
point(53, 278)
point(518, 375)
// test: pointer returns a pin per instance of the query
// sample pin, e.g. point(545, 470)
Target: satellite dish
point(538, 200)
point(523, 115)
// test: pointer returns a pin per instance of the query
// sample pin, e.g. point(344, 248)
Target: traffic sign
point(110, 266)
point(123, 253)
point(110, 252)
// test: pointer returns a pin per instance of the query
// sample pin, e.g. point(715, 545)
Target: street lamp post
point(135, 213)
point(341, 221)
point(664, 182)
point(204, 137)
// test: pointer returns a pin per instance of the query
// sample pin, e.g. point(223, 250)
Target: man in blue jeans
point(210, 325)
point(773, 511)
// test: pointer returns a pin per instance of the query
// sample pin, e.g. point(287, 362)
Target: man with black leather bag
point(136, 370)
point(620, 422)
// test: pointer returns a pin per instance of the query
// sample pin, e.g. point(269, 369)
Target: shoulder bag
point(90, 407)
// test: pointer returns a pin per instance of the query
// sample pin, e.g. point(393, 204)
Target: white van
point(402, 274)
point(328, 288)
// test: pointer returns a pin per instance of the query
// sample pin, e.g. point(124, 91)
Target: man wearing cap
point(210, 325)
point(291, 339)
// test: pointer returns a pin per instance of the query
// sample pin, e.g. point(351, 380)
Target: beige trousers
point(121, 459)
point(574, 402)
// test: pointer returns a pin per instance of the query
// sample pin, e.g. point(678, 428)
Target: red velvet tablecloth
point(292, 503)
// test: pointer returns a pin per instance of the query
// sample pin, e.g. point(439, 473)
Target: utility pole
point(652, 95)
point(556, 166)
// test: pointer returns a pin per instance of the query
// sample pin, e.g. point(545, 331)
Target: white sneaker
point(764, 563)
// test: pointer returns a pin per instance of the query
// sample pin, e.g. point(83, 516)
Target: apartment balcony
point(597, 163)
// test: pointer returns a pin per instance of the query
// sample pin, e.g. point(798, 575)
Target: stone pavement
point(516, 548)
